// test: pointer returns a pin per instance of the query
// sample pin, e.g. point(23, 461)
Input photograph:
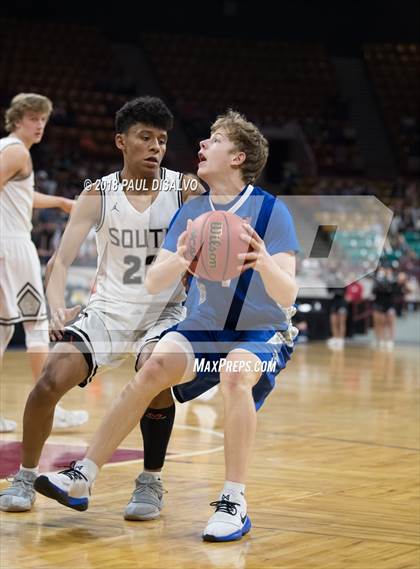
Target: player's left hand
point(259, 255)
point(66, 204)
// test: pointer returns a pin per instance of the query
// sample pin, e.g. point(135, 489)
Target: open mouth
point(201, 158)
point(152, 160)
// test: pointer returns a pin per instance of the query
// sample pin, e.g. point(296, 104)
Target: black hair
point(151, 111)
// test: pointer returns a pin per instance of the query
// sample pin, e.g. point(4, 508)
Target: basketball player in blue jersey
point(21, 291)
point(130, 211)
point(240, 322)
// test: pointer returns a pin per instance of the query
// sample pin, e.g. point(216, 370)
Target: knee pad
point(6, 334)
point(36, 334)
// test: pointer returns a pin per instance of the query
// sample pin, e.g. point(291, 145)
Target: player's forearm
point(43, 201)
point(55, 283)
point(165, 274)
point(280, 285)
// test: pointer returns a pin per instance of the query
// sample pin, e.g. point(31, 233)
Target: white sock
point(34, 469)
point(156, 475)
point(234, 489)
point(89, 467)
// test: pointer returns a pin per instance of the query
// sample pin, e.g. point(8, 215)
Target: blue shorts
point(212, 346)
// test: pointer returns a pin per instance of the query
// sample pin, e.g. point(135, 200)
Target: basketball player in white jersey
point(130, 211)
point(21, 291)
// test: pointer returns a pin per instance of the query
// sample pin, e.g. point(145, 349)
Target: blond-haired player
point(21, 290)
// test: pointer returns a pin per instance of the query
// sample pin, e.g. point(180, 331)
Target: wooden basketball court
point(334, 481)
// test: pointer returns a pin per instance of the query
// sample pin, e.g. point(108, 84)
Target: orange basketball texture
point(213, 244)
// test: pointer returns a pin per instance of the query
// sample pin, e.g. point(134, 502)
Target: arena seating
point(395, 73)
point(271, 82)
point(75, 67)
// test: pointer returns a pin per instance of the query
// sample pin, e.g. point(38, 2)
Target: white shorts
point(107, 332)
point(21, 291)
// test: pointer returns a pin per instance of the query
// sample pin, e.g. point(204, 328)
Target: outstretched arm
point(13, 161)
point(85, 215)
point(43, 201)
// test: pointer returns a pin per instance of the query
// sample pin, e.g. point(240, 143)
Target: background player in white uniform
point(21, 291)
point(121, 318)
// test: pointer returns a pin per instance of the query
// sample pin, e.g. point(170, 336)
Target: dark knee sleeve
point(156, 428)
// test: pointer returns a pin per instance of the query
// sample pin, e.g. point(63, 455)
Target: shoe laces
point(19, 481)
point(74, 473)
point(225, 506)
point(155, 486)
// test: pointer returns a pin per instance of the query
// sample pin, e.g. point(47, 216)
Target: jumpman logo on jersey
point(115, 207)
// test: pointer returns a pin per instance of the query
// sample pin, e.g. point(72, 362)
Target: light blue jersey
point(243, 302)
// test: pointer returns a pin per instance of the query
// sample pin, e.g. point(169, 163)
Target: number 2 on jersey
point(134, 264)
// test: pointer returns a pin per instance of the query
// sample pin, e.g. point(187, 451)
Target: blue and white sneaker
point(70, 487)
point(230, 521)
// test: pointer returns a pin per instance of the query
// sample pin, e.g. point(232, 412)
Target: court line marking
point(170, 457)
point(181, 454)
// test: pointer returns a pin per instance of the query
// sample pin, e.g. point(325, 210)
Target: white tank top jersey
point(128, 241)
point(16, 200)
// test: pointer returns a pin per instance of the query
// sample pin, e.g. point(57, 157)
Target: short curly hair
point(246, 138)
point(148, 110)
point(23, 103)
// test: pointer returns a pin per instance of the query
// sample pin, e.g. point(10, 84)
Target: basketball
point(213, 244)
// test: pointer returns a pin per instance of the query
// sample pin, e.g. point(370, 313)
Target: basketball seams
point(200, 245)
point(203, 232)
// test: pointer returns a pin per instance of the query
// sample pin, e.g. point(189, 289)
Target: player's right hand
point(59, 318)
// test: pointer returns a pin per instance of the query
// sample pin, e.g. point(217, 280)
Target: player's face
point(31, 126)
point(144, 148)
point(216, 156)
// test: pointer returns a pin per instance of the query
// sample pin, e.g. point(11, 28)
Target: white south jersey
point(128, 241)
point(16, 200)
